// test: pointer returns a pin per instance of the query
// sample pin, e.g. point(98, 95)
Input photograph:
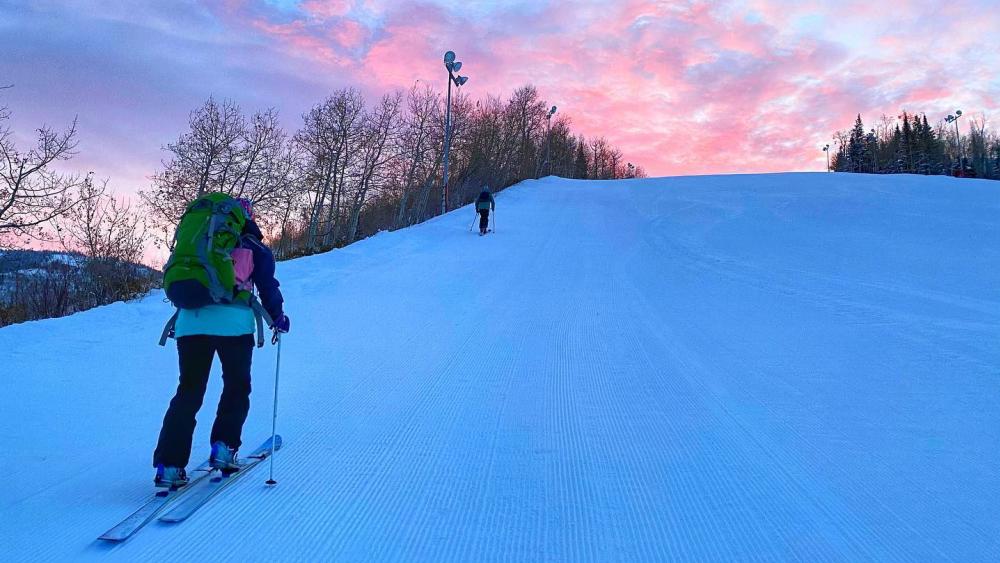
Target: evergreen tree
point(899, 154)
point(996, 160)
point(934, 149)
point(921, 148)
point(906, 145)
point(856, 147)
point(871, 152)
point(580, 162)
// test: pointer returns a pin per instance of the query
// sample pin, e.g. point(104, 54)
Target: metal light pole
point(826, 149)
point(958, 137)
point(874, 151)
point(453, 66)
point(548, 141)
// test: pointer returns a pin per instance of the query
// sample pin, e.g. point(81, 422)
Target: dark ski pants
point(195, 355)
point(484, 220)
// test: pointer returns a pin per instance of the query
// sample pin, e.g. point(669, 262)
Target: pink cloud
point(295, 40)
point(693, 87)
point(350, 34)
point(327, 8)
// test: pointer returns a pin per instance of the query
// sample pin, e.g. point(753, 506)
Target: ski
point(145, 514)
point(148, 511)
point(208, 488)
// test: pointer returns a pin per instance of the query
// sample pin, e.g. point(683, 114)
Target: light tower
point(548, 141)
point(453, 66)
point(953, 118)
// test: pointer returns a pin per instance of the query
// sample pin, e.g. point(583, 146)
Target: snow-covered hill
point(778, 367)
point(33, 263)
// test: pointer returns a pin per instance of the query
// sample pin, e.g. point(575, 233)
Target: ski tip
point(113, 536)
point(171, 519)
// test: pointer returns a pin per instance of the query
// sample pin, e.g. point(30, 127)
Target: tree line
point(352, 168)
point(913, 146)
point(355, 168)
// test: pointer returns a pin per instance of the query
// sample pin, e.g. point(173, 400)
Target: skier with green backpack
point(218, 259)
point(484, 204)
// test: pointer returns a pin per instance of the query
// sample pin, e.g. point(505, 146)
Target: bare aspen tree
point(601, 167)
point(32, 193)
point(424, 149)
point(462, 128)
point(526, 112)
point(562, 145)
point(223, 151)
point(204, 156)
point(488, 152)
point(417, 145)
point(350, 113)
point(616, 164)
point(112, 238)
point(378, 131)
point(103, 226)
point(263, 168)
point(325, 140)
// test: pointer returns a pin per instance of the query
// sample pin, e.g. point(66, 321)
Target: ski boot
point(223, 458)
point(168, 477)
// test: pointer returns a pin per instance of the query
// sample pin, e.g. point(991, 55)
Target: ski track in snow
point(788, 367)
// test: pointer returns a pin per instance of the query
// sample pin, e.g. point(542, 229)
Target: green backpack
point(200, 270)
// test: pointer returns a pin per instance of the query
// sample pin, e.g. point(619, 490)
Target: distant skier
point(218, 259)
point(484, 204)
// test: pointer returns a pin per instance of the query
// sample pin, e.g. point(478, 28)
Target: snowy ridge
point(790, 367)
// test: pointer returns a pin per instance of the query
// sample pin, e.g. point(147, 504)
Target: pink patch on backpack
point(243, 265)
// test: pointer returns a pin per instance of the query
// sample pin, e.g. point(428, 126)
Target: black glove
point(282, 324)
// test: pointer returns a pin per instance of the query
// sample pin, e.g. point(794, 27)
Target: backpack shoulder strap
point(168, 329)
point(216, 223)
point(260, 315)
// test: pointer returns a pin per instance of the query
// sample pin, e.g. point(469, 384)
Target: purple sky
point(680, 87)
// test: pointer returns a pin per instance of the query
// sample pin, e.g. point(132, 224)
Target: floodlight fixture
point(548, 141)
point(453, 67)
point(958, 135)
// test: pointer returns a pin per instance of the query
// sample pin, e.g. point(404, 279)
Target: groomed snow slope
point(778, 367)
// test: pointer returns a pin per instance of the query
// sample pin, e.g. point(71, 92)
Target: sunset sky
point(681, 87)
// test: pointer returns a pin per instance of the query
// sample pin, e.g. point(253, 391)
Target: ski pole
point(473, 222)
point(494, 220)
point(274, 417)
